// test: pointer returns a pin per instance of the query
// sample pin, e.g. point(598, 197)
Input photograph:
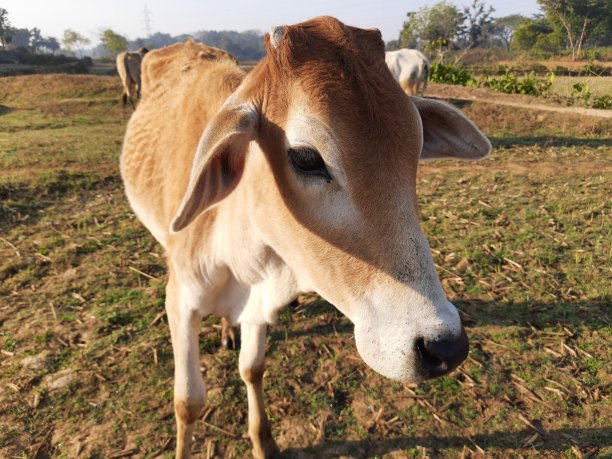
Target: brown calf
point(297, 177)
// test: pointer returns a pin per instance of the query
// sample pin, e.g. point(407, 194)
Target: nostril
point(430, 360)
point(442, 355)
point(434, 365)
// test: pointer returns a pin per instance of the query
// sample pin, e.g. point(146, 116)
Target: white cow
point(410, 68)
point(298, 177)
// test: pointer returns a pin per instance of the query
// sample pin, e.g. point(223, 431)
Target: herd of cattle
point(298, 176)
point(409, 67)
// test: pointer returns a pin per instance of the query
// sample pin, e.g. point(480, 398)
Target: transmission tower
point(147, 20)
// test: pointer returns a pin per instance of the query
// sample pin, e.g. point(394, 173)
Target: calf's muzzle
point(441, 355)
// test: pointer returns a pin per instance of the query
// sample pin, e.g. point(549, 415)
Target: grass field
point(522, 243)
point(599, 86)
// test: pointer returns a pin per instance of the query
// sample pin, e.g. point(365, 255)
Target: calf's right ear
point(448, 133)
point(218, 163)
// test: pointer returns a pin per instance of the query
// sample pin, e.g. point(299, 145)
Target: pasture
point(522, 243)
point(600, 86)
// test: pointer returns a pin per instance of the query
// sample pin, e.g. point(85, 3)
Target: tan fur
point(177, 85)
point(128, 68)
point(206, 169)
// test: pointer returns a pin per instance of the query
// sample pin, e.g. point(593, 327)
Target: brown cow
point(128, 68)
point(299, 176)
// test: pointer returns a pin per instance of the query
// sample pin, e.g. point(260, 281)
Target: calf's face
point(333, 183)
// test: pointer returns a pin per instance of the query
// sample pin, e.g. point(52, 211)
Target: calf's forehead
point(369, 140)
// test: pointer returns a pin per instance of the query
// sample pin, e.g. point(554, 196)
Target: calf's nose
point(442, 354)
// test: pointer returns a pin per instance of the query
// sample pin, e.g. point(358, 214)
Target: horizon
point(53, 18)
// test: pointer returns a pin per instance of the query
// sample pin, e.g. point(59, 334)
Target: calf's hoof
point(267, 449)
point(230, 337)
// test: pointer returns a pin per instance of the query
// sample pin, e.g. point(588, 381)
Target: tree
point(434, 27)
point(477, 23)
point(50, 45)
point(392, 45)
point(113, 42)
point(5, 27)
point(578, 18)
point(36, 39)
point(20, 38)
point(537, 33)
point(73, 40)
point(505, 26)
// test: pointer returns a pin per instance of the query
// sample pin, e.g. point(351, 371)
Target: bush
point(75, 67)
point(509, 83)
point(560, 70)
point(87, 62)
point(448, 74)
point(44, 59)
point(602, 102)
point(592, 69)
point(581, 91)
point(592, 54)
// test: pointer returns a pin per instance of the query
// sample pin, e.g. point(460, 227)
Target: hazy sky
point(126, 17)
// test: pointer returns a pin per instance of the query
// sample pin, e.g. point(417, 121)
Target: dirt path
point(443, 91)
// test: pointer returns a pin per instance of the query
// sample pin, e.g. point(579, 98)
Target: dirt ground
point(521, 241)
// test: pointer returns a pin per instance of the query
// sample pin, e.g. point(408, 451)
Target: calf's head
point(323, 145)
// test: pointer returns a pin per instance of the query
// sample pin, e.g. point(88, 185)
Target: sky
point(126, 17)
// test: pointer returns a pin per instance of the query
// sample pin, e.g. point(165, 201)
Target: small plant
point(581, 91)
point(561, 70)
point(602, 102)
point(509, 83)
point(443, 73)
point(592, 69)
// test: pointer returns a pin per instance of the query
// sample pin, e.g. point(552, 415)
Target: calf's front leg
point(189, 390)
point(251, 364)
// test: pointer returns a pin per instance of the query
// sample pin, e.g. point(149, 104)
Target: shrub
point(592, 69)
point(45, 59)
point(602, 102)
point(582, 91)
point(509, 83)
point(443, 73)
point(560, 70)
point(592, 54)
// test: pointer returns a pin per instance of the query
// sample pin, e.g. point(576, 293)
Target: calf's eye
point(307, 161)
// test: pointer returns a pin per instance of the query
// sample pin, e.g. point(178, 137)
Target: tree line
point(564, 25)
point(245, 46)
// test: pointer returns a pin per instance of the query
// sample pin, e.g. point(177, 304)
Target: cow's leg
point(189, 390)
point(423, 87)
point(230, 336)
point(404, 85)
point(251, 364)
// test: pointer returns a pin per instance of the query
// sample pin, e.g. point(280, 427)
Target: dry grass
point(599, 86)
point(552, 64)
point(522, 245)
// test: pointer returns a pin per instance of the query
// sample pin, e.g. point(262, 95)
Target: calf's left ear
point(219, 162)
point(448, 133)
